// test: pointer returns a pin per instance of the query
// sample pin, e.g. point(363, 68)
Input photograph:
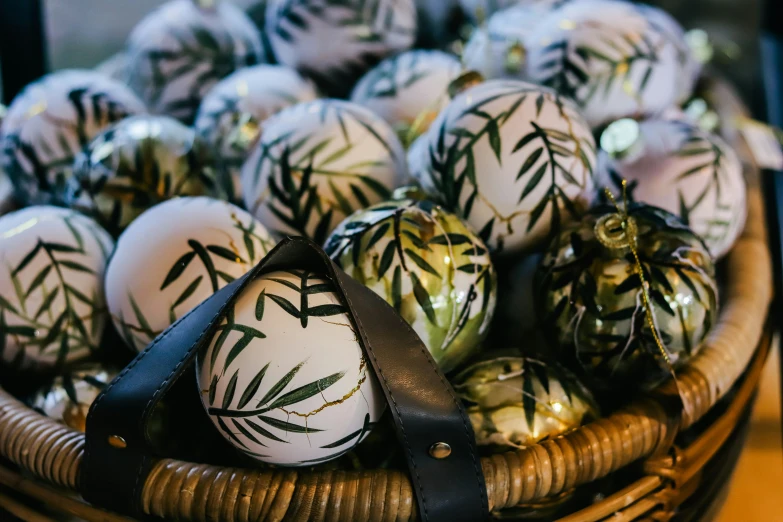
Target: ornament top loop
point(616, 232)
point(464, 82)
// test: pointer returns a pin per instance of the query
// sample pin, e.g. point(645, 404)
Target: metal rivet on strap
point(115, 441)
point(440, 450)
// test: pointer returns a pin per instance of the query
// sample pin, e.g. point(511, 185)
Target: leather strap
point(425, 408)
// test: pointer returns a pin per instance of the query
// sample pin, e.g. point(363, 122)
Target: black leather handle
point(425, 409)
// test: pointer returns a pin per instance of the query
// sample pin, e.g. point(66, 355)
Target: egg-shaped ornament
point(284, 378)
point(52, 308)
point(318, 162)
point(140, 162)
point(335, 43)
point(427, 264)
point(173, 257)
point(409, 90)
point(678, 167)
point(597, 308)
point(68, 397)
point(231, 116)
point(515, 402)
point(607, 57)
point(179, 51)
point(49, 123)
point(513, 159)
point(496, 49)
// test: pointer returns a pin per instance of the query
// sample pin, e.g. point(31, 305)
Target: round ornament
point(497, 49)
point(317, 163)
point(173, 257)
point(138, 163)
point(283, 402)
point(50, 121)
point(678, 167)
point(592, 304)
point(409, 90)
point(52, 309)
point(179, 51)
point(517, 401)
point(513, 159)
point(231, 117)
point(607, 57)
point(429, 265)
point(335, 43)
point(68, 398)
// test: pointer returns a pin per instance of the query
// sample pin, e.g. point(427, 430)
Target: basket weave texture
point(646, 428)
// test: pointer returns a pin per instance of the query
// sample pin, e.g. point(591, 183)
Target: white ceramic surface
point(691, 173)
point(173, 257)
point(286, 381)
point(179, 51)
point(318, 162)
point(52, 262)
point(49, 123)
point(232, 114)
point(501, 153)
point(334, 43)
point(408, 88)
point(606, 56)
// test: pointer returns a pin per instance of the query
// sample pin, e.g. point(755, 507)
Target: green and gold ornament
point(409, 90)
point(138, 163)
point(68, 397)
point(335, 43)
point(179, 51)
point(608, 57)
point(51, 121)
point(515, 402)
point(627, 296)
point(429, 265)
point(318, 162)
point(231, 116)
point(513, 159)
point(52, 309)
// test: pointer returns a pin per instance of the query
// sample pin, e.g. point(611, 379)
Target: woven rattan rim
point(645, 428)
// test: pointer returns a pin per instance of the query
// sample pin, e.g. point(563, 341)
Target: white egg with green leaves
point(513, 159)
point(284, 377)
point(174, 256)
point(410, 89)
point(52, 309)
point(429, 265)
point(318, 162)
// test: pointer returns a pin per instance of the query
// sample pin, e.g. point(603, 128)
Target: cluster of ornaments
point(152, 185)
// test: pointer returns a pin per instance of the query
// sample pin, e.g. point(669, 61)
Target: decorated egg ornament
point(513, 159)
point(317, 163)
point(429, 265)
point(49, 123)
point(174, 256)
point(284, 378)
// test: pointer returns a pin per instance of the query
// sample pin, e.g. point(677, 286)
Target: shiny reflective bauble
point(139, 163)
point(231, 117)
point(591, 304)
point(52, 308)
point(408, 90)
point(336, 43)
point(179, 51)
point(513, 159)
point(49, 123)
point(427, 264)
point(318, 162)
point(691, 173)
point(284, 378)
point(606, 56)
point(515, 402)
point(68, 398)
point(173, 257)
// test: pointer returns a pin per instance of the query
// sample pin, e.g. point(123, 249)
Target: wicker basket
point(48, 454)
